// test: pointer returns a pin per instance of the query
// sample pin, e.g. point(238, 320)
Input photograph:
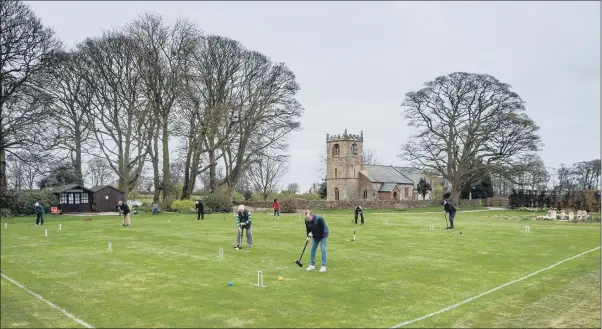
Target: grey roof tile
point(384, 174)
point(387, 187)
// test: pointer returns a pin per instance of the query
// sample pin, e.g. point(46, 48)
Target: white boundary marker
point(490, 291)
point(69, 315)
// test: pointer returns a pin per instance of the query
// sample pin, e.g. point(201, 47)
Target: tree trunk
point(155, 160)
point(194, 169)
point(3, 182)
point(167, 188)
point(455, 192)
point(212, 171)
point(230, 193)
point(124, 185)
point(78, 156)
point(187, 172)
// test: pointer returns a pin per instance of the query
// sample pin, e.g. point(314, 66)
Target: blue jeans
point(451, 219)
point(314, 247)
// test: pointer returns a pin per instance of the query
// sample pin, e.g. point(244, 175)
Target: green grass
point(167, 274)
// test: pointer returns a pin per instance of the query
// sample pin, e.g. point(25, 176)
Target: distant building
point(348, 178)
point(74, 198)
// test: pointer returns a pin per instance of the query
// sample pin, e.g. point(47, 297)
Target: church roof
point(387, 187)
point(385, 174)
point(412, 173)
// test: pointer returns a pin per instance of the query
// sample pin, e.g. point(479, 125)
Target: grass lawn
point(164, 272)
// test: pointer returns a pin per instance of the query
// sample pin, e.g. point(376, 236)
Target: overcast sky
point(356, 60)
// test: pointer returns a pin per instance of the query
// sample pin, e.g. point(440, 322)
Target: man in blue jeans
point(317, 230)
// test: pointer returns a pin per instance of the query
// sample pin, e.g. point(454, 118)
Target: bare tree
point(99, 171)
point(565, 180)
point(265, 112)
point(465, 120)
point(205, 178)
point(72, 100)
point(370, 158)
point(292, 188)
point(587, 174)
point(166, 51)
point(119, 110)
point(25, 170)
point(25, 48)
point(210, 84)
point(265, 173)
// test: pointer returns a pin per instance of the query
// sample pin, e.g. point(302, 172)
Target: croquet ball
point(230, 284)
point(280, 278)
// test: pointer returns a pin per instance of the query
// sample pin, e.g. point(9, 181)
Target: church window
point(354, 149)
point(365, 194)
point(336, 150)
point(336, 193)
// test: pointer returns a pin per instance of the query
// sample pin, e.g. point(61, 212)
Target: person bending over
point(125, 210)
point(243, 222)
point(358, 211)
point(449, 208)
point(317, 230)
point(199, 210)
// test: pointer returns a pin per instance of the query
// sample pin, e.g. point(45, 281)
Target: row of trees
point(588, 200)
point(120, 99)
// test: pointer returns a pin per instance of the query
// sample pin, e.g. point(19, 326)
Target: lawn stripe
point(490, 291)
point(71, 316)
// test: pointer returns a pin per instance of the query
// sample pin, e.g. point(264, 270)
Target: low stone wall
point(301, 205)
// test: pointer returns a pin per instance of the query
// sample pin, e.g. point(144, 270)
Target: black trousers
point(40, 219)
point(200, 215)
point(362, 215)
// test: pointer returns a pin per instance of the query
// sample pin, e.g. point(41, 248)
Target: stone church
point(349, 179)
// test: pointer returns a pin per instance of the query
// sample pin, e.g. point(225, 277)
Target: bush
point(22, 203)
point(183, 206)
point(5, 213)
point(288, 206)
point(216, 203)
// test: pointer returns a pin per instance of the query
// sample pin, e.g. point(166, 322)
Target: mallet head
point(298, 263)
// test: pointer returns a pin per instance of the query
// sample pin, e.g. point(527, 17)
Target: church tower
point(344, 161)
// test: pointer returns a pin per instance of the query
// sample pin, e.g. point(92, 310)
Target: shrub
point(216, 203)
point(183, 206)
point(288, 206)
point(5, 213)
point(22, 203)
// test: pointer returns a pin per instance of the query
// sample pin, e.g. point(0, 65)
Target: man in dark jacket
point(449, 208)
point(199, 210)
point(39, 209)
point(243, 222)
point(317, 230)
point(125, 210)
point(358, 211)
